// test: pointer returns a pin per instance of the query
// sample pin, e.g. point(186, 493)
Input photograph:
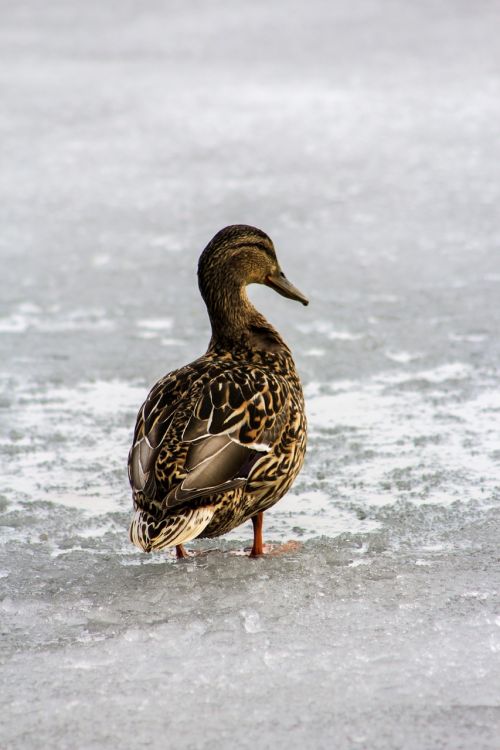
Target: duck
point(221, 440)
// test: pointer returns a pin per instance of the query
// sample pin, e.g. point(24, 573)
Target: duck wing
point(153, 423)
point(236, 419)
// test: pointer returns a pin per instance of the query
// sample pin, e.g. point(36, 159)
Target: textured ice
point(364, 138)
point(28, 316)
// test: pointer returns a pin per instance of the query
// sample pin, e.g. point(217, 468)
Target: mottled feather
point(222, 438)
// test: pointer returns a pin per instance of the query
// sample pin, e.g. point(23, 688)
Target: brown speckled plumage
point(222, 439)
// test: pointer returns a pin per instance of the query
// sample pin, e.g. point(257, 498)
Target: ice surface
point(364, 138)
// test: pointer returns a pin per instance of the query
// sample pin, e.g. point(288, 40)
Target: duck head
point(239, 255)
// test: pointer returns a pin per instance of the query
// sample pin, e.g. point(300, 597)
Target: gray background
point(364, 138)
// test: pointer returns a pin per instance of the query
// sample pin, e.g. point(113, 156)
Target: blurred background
point(364, 139)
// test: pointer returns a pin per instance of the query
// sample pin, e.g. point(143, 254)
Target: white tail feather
point(147, 533)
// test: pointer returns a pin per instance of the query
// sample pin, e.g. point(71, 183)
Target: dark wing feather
point(153, 422)
point(230, 429)
point(235, 420)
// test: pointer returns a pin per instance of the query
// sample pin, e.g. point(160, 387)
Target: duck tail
point(150, 533)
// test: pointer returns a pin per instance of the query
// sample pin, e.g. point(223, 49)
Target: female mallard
point(221, 440)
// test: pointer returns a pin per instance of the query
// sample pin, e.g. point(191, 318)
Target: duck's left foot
point(180, 552)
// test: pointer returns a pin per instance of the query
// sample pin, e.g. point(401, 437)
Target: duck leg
point(180, 552)
point(258, 544)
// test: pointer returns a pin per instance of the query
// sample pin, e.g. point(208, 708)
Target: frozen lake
point(363, 137)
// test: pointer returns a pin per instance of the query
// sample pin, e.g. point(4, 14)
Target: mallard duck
point(221, 440)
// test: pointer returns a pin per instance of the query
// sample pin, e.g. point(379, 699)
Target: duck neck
point(236, 322)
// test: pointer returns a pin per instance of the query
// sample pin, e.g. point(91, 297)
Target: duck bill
point(281, 285)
